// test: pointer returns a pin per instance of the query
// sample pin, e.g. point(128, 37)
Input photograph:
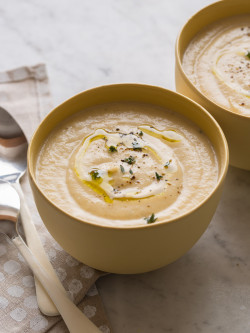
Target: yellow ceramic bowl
point(235, 126)
point(128, 249)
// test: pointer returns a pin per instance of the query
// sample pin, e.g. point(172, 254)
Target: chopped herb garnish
point(150, 219)
point(158, 177)
point(136, 145)
point(112, 149)
point(248, 54)
point(141, 133)
point(122, 168)
point(95, 174)
point(167, 164)
point(131, 172)
point(130, 160)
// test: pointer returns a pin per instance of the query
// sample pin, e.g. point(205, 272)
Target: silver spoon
point(13, 163)
point(75, 320)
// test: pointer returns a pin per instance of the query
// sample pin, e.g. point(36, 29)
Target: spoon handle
point(75, 320)
point(45, 303)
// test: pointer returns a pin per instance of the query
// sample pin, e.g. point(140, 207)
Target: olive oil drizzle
point(101, 181)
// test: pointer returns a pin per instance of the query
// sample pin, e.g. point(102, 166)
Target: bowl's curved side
point(129, 249)
point(236, 127)
point(126, 251)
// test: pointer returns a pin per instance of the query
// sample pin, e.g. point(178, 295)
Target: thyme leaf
point(112, 149)
point(130, 160)
point(95, 174)
point(122, 168)
point(150, 219)
point(158, 177)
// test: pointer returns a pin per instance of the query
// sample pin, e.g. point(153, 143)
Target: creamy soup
point(127, 164)
point(217, 61)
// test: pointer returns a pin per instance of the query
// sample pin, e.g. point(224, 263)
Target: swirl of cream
point(123, 167)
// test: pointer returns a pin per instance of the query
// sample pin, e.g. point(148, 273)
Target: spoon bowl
point(13, 164)
point(13, 148)
point(10, 201)
point(9, 209)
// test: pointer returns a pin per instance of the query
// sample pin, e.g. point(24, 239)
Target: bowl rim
point(220, 180)
point(178, 58)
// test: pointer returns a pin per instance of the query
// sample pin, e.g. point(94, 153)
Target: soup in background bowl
point(213, 68)
point(127, 177)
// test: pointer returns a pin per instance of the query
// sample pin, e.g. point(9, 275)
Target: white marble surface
point(90, 43)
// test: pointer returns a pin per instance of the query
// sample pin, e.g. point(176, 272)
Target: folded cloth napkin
point(24, 92)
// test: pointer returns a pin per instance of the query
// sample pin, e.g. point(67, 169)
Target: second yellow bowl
point(235, 126)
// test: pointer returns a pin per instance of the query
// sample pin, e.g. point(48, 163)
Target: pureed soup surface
point(217, 61)
point(127, 164)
